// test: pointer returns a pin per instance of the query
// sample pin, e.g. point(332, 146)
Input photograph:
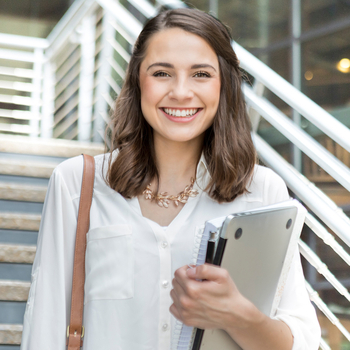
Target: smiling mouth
point(181, 113)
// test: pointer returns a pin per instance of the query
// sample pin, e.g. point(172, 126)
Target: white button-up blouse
point(130, 263)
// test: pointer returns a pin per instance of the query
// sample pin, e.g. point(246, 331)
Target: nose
point(181, 89)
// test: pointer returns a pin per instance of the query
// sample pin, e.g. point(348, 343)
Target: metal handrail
point(23, 41)
point(322, 269)
point(332, 165)
point(292, 96)
point(129, 22)
point(67, 19)
point(326, 237)
point(326, 311)
point(302, 187)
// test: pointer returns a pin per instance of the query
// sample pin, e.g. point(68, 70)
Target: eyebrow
point(168, 65)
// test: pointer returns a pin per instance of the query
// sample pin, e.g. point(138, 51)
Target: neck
point(177, 162)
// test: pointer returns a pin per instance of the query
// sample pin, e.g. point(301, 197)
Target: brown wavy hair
point(227, 147)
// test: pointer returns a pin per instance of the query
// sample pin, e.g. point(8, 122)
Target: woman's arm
point(217, 303)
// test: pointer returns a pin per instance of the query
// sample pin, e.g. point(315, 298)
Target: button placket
point(164, 284)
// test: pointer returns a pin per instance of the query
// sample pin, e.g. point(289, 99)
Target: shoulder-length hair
point(228, 147)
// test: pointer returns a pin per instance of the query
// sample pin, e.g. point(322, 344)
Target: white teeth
point(180, 113)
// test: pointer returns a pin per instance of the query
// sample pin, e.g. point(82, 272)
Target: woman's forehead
point(177, 46)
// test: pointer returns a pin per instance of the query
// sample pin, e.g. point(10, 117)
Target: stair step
point(14, 290)
point(48, 147)
point(14, 253)
point(25, 168)
point(15, 221)
point(19, 192)
point(11, 333)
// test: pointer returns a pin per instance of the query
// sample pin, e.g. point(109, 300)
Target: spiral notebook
point(263, 252)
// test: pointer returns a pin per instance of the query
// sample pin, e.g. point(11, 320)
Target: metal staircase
point(25, 167)
point(64, 86)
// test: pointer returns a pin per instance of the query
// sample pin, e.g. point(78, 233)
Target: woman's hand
point(214, 302)
point(206, 297)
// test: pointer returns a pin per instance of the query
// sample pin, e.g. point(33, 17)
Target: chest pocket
point(109, 263)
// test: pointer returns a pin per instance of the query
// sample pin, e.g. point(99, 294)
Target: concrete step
point(20, 192)
point(14, 253)
point(48, 147)
point(11, 334)
point(15, 221)
point(26, 168)
point(14, 290)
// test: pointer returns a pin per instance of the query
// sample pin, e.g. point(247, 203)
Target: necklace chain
point(163, 198)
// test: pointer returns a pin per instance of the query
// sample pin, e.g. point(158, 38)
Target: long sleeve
point(48, 306)
point(296, 310)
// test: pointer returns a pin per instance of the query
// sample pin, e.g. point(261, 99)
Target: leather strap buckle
point(75, 333)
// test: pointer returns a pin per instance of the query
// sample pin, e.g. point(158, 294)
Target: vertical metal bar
point(264, 12)
point(48, 101)
point(255, 117)
point(214, 7)
point(296, 71)
point(36, 94)
point(86, 78)
point(103, 89)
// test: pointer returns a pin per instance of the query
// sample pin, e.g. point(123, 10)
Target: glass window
point(326, 71)
point(254, 23)
point(318, 13)
point(31, 17)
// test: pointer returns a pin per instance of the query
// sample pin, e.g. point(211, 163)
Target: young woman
point(181, 154)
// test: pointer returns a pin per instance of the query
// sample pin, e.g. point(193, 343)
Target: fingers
point(209, 272)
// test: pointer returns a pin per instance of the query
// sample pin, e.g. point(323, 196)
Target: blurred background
point(62, 64)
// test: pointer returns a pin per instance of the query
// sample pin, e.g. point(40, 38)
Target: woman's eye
point(161, 74)
point(202, 74)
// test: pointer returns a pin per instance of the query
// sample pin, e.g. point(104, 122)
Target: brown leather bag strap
point(75, 331)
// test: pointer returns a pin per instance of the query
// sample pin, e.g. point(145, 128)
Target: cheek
point(211, 94)
point(150, 91)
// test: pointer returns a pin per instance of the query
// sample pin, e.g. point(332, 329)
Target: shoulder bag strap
point(75, 330)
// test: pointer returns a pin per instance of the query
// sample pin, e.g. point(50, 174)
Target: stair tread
point(11, 290)
point(27, 168)
point(20, 221)
point(11, 334)
point(20, 192)
point(48, 147)
point(16, 253)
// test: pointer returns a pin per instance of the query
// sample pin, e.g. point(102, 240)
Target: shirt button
point(165, 326)
point(164, 244)
point(165, 284)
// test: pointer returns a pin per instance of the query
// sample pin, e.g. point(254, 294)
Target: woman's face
point(180, 85)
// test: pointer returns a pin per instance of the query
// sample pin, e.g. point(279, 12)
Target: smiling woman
point(181, 155)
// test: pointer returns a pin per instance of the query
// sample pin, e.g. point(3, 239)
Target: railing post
point(47, 119)
point(103, 88)
point(255, 117)
point(86, 78)
point(296, 71)
point(36, 94)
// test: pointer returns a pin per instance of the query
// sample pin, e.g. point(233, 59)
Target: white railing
point(21, 78)
point(65, 87)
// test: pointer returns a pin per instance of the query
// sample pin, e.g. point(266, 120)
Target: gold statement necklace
point(163, 198)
